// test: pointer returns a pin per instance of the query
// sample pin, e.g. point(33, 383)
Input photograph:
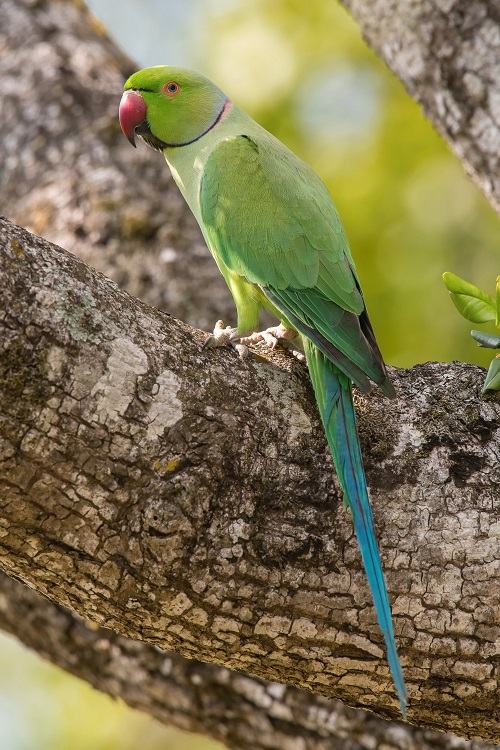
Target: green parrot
point(274, 232)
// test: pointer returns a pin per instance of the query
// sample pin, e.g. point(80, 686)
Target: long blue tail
point(334, 398)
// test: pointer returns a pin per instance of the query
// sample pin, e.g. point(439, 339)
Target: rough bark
point(243, 712)
point(186, 499)
point(447, 54)
point(68, 174)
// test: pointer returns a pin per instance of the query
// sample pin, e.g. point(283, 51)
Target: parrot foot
point(274, 336)
point(226, 336)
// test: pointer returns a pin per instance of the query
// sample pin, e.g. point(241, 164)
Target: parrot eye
point(171, 88)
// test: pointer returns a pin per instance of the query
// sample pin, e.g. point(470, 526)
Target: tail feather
point(334, 398)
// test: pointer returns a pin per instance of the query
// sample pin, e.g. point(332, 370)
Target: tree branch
point(447, 54)
point(79, 184)
point(243, 712)
point(187, 499)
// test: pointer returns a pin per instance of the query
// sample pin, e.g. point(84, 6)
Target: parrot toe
point(271, 338)
point(223, 335)
point(275, 336)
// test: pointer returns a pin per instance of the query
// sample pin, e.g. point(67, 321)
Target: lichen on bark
point(220, 537)
point(92, 544)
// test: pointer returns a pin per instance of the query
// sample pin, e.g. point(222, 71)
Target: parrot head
point(169, 106)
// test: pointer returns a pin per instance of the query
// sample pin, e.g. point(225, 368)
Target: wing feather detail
point(270, 219)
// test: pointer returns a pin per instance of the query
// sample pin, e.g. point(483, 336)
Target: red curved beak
point(132, 113)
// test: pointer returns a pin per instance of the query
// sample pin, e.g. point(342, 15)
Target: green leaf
point(455, 284)
point(471, 302)
point(487, 340)
point(492, 382)
point(473, 309)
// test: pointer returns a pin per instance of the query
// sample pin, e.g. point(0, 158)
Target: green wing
point(270, 219)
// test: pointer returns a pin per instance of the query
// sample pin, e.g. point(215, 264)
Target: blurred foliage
point(410, 212)
point(44, 708)
point(304, 72)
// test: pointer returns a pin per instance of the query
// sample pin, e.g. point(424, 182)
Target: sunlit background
point(303, 71)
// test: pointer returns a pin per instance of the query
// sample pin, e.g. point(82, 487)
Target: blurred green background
point(410, 212)
point(304, 72)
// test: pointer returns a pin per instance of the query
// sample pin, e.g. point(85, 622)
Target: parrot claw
point(242, 350)
point(274, 336)
point(223, 335)
point(300, 356)
point(226, 336)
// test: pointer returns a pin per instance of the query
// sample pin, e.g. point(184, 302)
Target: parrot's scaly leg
point(226, 336)
point(288, 338)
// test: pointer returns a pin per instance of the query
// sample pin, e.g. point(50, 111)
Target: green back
point(270, 219)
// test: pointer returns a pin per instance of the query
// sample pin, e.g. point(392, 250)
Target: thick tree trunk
point(447, 53)
point(242, 711)
point(187, 499)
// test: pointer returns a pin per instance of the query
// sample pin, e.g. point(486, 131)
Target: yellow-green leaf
point(471, 302)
